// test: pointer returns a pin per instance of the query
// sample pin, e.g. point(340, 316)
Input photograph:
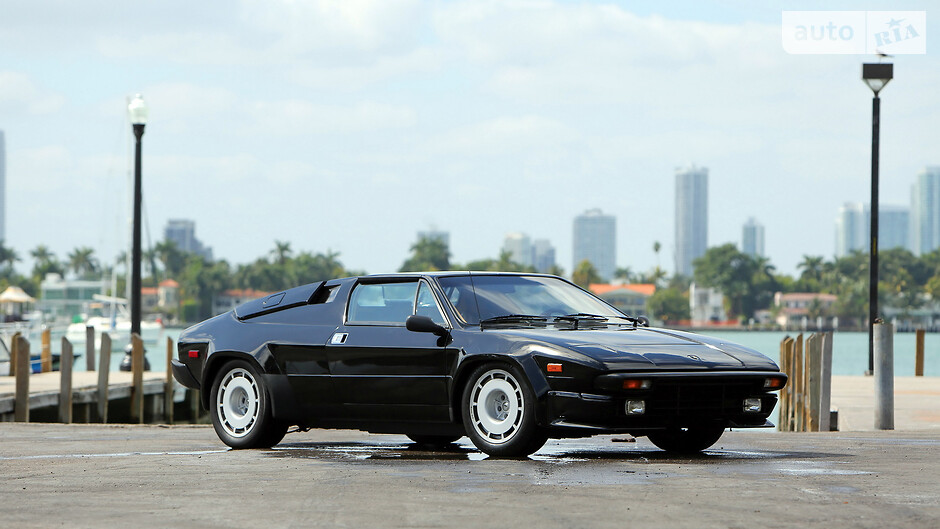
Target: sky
point(351, 125)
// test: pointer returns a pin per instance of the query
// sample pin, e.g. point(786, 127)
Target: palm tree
point(656, 248)
point(281, 252)
point(8, 256)
point(82, 261)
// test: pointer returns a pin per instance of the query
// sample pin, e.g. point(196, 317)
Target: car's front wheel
point(687, 440)
point(241, 408)
point(499, 412)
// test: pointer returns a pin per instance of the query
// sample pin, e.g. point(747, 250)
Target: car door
point(380, 369)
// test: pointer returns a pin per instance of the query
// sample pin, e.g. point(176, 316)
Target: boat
point(111, 315)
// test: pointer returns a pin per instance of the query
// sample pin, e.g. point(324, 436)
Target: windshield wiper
point(577, 318)
point(513, 318)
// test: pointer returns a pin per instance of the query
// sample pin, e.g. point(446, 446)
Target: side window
point(382, 303)
point(427, 305)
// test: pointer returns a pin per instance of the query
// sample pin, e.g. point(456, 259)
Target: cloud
point(19, 92)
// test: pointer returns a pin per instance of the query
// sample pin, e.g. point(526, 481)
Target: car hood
point(647, 348)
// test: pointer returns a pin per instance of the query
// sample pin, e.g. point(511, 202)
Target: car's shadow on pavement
point(558, 453)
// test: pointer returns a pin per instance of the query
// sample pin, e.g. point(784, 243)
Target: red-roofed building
point(629, 298)
point(230, 299)
point(801, 309)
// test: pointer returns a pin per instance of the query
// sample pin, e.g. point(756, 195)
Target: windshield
point(477, 298)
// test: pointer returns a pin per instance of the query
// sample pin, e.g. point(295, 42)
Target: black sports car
point(508, 360)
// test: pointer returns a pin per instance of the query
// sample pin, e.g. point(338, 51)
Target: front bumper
point(671, 401)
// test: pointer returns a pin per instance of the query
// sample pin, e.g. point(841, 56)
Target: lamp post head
point(137, 110)
point(877, 75)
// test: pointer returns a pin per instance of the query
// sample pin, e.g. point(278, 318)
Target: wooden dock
point(66, 396)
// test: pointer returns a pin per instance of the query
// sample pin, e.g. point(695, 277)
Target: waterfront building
point(64, 299)
point(691, 217)
point(183, 233)
point(797, 310)
point(3, 188)
point(752, 238)
point(853, 226)
point(595, 239)
point(543, 255)
point(706, 305)
point(229, 299)
point(628, 298)
point(925, 211)
point(519, 247)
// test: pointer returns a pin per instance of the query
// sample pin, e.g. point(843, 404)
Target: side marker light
point(194, 353)
point(553, 368)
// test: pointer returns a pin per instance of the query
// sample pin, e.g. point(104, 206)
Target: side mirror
point(417, 323)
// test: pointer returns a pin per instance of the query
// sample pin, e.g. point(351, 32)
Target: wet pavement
point(97, 476)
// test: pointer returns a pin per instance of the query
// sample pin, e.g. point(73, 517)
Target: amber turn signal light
point(773, 383)
point(553, 368)
point(635, 383)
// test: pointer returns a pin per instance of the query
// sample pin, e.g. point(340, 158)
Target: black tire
point(690, 440)
point(241, 409)
point(498, 409)
point(433, 440)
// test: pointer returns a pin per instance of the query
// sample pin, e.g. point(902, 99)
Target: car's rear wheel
point(499, 412)
point(241, 408)
point(687, 440)
point(433, 440)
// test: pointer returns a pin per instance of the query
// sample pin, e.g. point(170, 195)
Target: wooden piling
point(14, 347)
point(65, 382)
point(137, 387)
point(21, 404)
point(104, 366)
point(786, 394)
point(814, 364)
point(89, 348)
point(168, 389)
point(825, 382)
point(919, 354)
point(45, 355)
point(21, 396)
point(799, 384)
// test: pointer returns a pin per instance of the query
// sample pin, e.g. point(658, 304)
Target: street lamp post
point(137, 112)
point(876, 76)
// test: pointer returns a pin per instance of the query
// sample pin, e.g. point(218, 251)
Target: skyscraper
point(853, 226)
point(519, 247)
point(691, 217)
point(595, 239)
point(543, 255)
point(752, 238)
point(3, 188)
point(925, 211)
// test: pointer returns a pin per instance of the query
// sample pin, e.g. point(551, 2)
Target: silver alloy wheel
point(238, 402)
point(496, 406)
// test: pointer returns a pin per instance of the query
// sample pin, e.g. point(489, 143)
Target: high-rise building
point(893, 227)
point(3, 188)
point(925, 211)
point(519, 247)
point(543, 255)
point(691, 217)
point(183, 233)
point(752, 238)
point(595, 239)
point(853, 226)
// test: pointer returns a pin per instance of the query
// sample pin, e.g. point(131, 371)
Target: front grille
point(698, 398)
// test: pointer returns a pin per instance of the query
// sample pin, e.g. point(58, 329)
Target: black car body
point(507, 359)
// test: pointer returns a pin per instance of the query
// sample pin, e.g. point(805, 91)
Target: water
point(849, 350)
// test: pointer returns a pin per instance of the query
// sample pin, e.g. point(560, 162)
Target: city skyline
point(346, 127)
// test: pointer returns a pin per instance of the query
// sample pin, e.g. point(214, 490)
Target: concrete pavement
point(101, 476)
